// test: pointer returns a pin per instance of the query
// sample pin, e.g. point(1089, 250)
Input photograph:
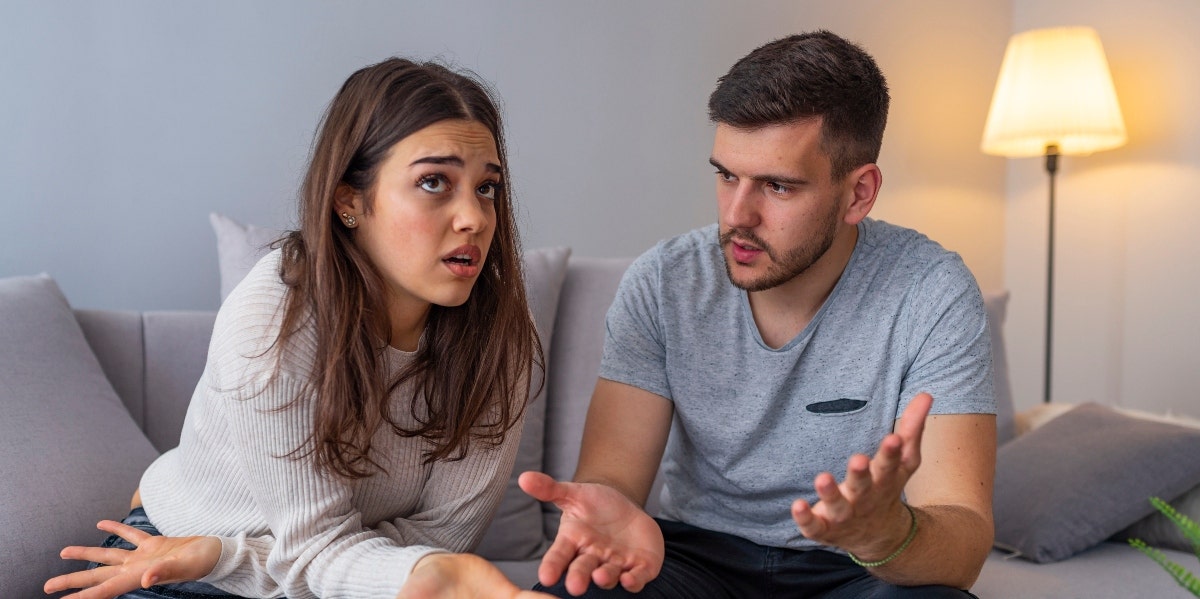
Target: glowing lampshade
point(1054, 89)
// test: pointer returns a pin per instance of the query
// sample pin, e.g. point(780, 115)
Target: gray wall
point(126, 123)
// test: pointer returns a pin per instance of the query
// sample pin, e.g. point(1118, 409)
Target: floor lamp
point(1054, 96)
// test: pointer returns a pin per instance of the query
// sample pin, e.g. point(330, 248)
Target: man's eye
point(724, 176)
point(434, 184)
point(489, 190)
point(777, 188)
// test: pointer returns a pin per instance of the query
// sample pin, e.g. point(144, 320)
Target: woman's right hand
point(156, 560)
point(461, 575)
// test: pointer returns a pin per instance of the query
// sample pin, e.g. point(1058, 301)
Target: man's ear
point(347, 200)
point(864, 188)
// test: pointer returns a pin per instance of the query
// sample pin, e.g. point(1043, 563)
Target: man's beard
point(791, 264)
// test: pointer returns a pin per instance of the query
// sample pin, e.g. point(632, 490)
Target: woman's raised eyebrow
point(453, 161)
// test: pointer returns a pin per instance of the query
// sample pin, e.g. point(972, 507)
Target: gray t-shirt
point(753, 425)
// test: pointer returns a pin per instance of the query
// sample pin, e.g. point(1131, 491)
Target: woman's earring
point(350, 221)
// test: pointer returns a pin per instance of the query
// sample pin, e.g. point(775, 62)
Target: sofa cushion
point(116, 339)
point(516, 532)
point(997, 308)
point(1078, 479)
point(588, 291)
point(1106, 571)
point(176, 344)
point(70, 452)
point(1158, 531)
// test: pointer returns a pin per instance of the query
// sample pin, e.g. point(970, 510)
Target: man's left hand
point(863, 513)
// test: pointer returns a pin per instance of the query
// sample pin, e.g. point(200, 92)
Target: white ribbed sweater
point(285, 528)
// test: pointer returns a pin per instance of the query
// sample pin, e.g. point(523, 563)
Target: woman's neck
point(408, 324)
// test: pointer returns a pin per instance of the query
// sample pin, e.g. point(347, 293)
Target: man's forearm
point(949, 549)
point(623, 439)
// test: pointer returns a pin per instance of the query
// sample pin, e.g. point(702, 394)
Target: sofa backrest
point(574, 364)
point(153, 360)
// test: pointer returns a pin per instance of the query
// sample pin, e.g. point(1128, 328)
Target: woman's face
point(432, 216)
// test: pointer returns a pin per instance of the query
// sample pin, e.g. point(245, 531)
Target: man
point(790, 341)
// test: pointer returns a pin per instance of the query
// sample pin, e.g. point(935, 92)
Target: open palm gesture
point(602, 537)
point(156, 560)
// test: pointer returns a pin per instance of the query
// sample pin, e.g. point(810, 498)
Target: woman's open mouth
point(464, 261)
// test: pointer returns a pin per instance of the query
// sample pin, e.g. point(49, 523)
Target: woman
point(360, 409)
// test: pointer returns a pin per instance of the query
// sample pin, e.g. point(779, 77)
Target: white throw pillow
point(239, 248)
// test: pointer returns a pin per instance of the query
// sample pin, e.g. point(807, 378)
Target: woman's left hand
point(156, 560)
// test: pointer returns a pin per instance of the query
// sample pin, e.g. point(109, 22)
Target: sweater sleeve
point(460, 497)
point(455, 508)
point(319, 546)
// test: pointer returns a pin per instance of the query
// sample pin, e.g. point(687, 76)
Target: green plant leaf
point(1185, 579)
point(1190, 529)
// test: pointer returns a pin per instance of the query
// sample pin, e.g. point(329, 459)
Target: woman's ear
point(865, 182)
point(347, 205)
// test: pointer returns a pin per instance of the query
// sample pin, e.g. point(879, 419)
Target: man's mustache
point(748, 237)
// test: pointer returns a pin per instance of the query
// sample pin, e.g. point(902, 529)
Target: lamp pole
point(1051, 169)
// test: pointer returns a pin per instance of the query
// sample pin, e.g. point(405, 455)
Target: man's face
point(779, 209)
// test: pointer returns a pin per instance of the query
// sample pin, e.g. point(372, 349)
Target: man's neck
point(783, 311)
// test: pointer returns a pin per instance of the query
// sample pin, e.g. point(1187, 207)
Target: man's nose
point(742, 208)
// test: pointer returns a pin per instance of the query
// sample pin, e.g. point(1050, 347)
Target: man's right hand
point(603, 537)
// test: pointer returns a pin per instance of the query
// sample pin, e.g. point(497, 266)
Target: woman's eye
point(489, 190)
point(434, 184)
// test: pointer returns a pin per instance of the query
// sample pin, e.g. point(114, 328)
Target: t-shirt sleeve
point(949, 343)
point(634, 348)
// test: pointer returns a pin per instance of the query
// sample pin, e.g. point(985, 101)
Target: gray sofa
point(152, 361)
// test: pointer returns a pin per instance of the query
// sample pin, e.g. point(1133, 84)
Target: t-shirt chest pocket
point(842, 406)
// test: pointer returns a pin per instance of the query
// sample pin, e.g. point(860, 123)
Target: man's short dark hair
point(809, 75)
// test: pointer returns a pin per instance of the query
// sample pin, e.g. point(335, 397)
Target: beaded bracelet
point(912, 532)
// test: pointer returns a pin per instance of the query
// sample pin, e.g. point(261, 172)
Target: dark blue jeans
point(702, 564)
point(183, 590)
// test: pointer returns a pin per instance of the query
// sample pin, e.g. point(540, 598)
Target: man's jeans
point(702, 564)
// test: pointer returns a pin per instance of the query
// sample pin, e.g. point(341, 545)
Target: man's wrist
point(908, 539)
point(626, 493)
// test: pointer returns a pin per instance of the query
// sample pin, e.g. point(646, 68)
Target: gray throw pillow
point(70, 453)
point(1078, 479)
point(1158, 531)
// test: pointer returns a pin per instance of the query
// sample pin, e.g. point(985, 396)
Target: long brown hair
point(471, 373)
